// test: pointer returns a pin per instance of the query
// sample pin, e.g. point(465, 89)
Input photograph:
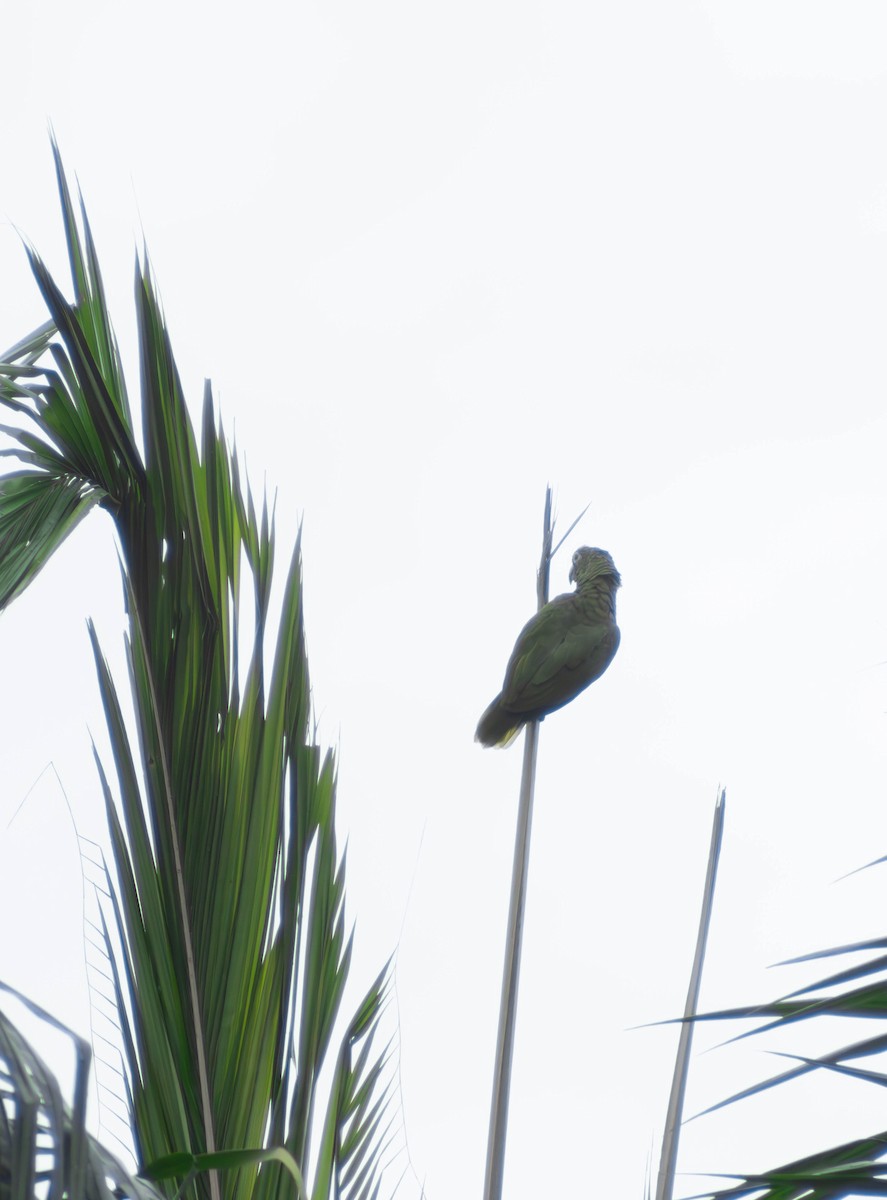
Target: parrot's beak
point(572, 575)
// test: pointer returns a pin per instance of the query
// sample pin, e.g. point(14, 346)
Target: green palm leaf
point(227, 924)
point(37, 512)
point(859, 1167)
point(44, 1145)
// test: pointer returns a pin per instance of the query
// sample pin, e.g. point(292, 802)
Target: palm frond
point(37, 512)
point(228, 917)
point(45, 1148)
point(858, 1167)
point(844, 1171)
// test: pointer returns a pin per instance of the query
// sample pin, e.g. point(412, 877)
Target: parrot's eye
point(576, 557)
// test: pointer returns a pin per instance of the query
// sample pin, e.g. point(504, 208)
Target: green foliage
point(859, 1167)
point(228, 915)
point(44, 1144)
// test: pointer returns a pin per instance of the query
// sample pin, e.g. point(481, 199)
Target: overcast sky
point(433, 258)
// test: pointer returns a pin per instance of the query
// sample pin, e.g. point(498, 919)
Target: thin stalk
point(671, 1137)
point(514, 937)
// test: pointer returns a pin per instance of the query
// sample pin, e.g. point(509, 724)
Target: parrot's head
point(590, 563)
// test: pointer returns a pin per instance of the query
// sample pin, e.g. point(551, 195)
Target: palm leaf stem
point(495, 1167)
point(671, 1136)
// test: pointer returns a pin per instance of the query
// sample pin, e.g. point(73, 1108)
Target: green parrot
point(567, 645)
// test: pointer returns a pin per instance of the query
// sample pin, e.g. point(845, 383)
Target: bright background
point(434, 257)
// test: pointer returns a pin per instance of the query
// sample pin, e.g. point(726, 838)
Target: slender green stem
point(669, 1157)
point(514, 937)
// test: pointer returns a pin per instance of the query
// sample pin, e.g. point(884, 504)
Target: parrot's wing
point(558, 653)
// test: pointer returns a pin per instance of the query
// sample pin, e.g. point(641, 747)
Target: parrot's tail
point(497, 727)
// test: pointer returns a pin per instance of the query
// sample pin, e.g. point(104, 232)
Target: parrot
point(567, 645)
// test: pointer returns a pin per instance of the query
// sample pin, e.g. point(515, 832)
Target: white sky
point(434, 257)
